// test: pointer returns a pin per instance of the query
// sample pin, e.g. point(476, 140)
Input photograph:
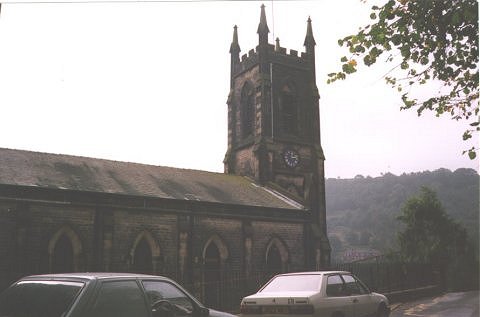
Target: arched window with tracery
point(247, 110)
point(289, 109)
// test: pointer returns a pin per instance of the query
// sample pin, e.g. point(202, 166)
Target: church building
point(219, 234)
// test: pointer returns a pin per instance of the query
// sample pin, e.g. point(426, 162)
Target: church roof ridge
point(103, 159)
point(61, 171)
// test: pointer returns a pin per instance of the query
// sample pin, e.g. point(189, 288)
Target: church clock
point(291, 158)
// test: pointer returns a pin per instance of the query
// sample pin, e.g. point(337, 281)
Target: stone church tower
point(274, 127)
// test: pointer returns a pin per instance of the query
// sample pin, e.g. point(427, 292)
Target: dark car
point(100, 295)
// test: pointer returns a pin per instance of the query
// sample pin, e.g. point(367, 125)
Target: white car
point(320, 294)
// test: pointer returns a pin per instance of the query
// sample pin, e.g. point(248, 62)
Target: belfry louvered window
point(289, 110)
point(247, 110)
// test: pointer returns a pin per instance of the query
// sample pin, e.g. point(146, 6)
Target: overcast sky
point(148, 83)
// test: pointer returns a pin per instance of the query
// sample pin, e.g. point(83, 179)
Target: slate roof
point(26, 168)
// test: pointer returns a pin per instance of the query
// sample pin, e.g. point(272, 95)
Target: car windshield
point(293, 283)
point(39, 298)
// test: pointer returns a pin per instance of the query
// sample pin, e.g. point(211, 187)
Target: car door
point(360, 297)
point(336, 301)
point(166, 299)
point(121, 298)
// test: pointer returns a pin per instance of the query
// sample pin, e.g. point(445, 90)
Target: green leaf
point(348, 68)
point(396, 39)
point(466, 135)
point(359, 49)
point(424, 60)
point(471, 154)
point(456, 18)
point(405, 51)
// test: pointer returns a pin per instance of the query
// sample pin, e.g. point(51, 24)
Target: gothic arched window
point(274, 261)
point(145, 254)
point(142, 258)
point(276, 258)
point(215, 254)
point(64, 251)
point(289, 110)
point(212, 276)
point(62, 258)
point(247, 110)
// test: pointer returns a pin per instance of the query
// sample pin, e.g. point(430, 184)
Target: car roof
point(90, 276)
point(315, 273)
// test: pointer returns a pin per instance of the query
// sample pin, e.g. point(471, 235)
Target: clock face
point(291, 158)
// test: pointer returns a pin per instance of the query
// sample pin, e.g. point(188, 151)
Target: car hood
point(216, 313)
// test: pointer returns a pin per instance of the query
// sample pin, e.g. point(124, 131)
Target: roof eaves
point(281, 196)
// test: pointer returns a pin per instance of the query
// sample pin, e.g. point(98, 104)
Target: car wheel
point(382, 310)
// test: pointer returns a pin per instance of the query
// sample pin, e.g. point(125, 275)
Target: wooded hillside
point(361, 212)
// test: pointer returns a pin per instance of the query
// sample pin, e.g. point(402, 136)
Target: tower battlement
point(273, 50)
point(274, 54)
point(266, 53)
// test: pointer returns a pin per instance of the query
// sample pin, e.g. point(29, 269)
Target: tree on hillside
point(431, 236)
point(425, 41)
